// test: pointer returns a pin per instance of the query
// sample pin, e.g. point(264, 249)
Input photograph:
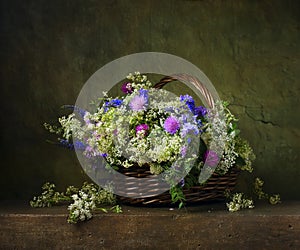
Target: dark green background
point(248, 49)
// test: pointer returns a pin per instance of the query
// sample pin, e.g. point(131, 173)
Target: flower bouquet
point(159, 141)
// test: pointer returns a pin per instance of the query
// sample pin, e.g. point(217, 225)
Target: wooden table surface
point(208, 226)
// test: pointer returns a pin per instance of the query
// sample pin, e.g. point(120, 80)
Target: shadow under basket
point(212, 190)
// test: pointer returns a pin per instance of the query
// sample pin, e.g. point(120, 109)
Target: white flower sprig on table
point(84, 201)
point(239, 202)
point(81, 208)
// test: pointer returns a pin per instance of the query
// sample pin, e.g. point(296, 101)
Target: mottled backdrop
point(249, 50)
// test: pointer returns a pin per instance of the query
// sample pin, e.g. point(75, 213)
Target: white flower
point(82, 217)
point(75, 197)
point(76, 213)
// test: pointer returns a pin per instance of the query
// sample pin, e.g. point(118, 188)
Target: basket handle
point(190, 79)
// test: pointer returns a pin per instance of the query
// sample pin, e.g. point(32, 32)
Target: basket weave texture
point(212, 190)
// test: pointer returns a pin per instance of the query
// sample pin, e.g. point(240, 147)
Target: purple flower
point(139, 102)
point(126, 88)
point(141, 129)
point(183, 151)
point(171, 125)
point(211, 158)
point(200, 111)
point(90, 152)
point(87, 119)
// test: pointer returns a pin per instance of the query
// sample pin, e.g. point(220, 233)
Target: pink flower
point(142, 129)
point(126, 88)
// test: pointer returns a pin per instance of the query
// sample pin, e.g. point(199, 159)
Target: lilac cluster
point(187, 128)
point(91, 152)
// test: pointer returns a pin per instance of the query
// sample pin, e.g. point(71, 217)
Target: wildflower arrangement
point(156, 129)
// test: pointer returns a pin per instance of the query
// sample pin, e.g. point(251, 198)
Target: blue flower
point(144, 92)
point(200, 111)
point(189, 101)
point(78, 145)
point(66, 144)
point(116, 102)
point(112, 103)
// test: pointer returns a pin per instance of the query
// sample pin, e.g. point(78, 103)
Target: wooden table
point(208, 226)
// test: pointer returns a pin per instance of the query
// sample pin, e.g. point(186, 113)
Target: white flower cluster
point(71, 126)
point(229, 157)
point(220, 136)
point(216, 133)
point(138, 80)
point(85, 200)
point(48, 197)
point(239, 202)
point(81, 208)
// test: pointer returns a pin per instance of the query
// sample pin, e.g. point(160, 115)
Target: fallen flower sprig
point(83, 202)
point(238, 201)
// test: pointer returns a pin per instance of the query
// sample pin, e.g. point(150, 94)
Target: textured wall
point(249, 50)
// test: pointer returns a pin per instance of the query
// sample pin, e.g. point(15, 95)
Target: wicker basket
point(212, 190)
